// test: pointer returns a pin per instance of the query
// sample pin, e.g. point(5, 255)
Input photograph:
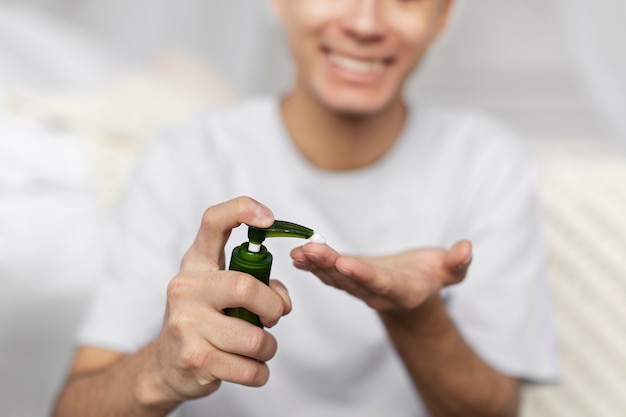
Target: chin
point(358, 110)
point(358, 99)
point(356, 106)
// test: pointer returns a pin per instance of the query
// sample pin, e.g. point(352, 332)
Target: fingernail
point(203, 381)
point(282, 289)
point(263, 212)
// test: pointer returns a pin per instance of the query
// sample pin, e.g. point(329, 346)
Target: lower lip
point(354, 76)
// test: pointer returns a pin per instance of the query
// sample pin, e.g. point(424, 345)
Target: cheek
point(308, 15)
point(302, 20)
point(414, 36)
point(307, 22)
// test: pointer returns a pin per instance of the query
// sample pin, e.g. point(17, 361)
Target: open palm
point(397, 282)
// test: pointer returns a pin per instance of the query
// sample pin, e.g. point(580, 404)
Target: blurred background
point(85, 83)
point(525, 61)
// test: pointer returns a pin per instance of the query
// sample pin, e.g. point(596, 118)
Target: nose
point(364, 20)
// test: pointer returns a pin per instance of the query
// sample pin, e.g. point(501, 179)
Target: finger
point(226, 366)
point(316, 255)
point(341, 270)
point(217, 224)
point(360, 278)
point(457, 260)
point(320, 260)
point(397, 287)
point(233, 289)
point(243, 371)
point(281, 290)
point(231, 334)
point(346, 273)
point(355, 268)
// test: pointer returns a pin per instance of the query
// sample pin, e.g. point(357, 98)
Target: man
point(345, 154)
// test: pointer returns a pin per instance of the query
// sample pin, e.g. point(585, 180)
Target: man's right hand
point(199, 346)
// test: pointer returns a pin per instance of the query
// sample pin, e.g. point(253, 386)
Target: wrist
point(425, 315)
point(151, 389)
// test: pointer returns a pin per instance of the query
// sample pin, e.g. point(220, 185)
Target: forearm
point(450, 377)
point(128, 387)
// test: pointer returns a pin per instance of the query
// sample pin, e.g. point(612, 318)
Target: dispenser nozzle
point(280, 228)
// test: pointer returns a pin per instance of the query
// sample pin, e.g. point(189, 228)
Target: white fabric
point(450, 176)
point(50, 242)
point(583, 201)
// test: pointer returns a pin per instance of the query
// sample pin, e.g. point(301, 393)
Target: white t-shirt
point(449, 176)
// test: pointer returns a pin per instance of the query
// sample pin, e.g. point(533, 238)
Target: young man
point(342, 153)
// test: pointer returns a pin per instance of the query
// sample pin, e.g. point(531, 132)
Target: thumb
point(217, 224)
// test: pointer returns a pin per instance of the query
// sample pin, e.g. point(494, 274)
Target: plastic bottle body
point(257, 264)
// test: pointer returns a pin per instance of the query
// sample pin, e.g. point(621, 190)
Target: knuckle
point(179, 323)
point(177, 287)
point(189, 359)
point(192, 359)
point(245, 203)
point(279, 310)
point(255, 374)
point(254, 341)
point(207, 218)
point(244, 287)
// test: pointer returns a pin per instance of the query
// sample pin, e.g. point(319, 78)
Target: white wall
point(506, 56)
point(510, 57)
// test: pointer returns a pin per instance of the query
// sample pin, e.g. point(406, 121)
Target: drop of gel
point(317, 238)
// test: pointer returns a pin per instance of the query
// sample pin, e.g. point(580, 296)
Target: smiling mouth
point(356, 65)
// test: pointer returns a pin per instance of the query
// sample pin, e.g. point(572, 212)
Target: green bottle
point(252, 257)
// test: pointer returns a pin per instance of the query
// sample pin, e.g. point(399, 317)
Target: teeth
point(356, 65)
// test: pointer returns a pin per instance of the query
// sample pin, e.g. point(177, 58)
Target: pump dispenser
point(252, 257)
